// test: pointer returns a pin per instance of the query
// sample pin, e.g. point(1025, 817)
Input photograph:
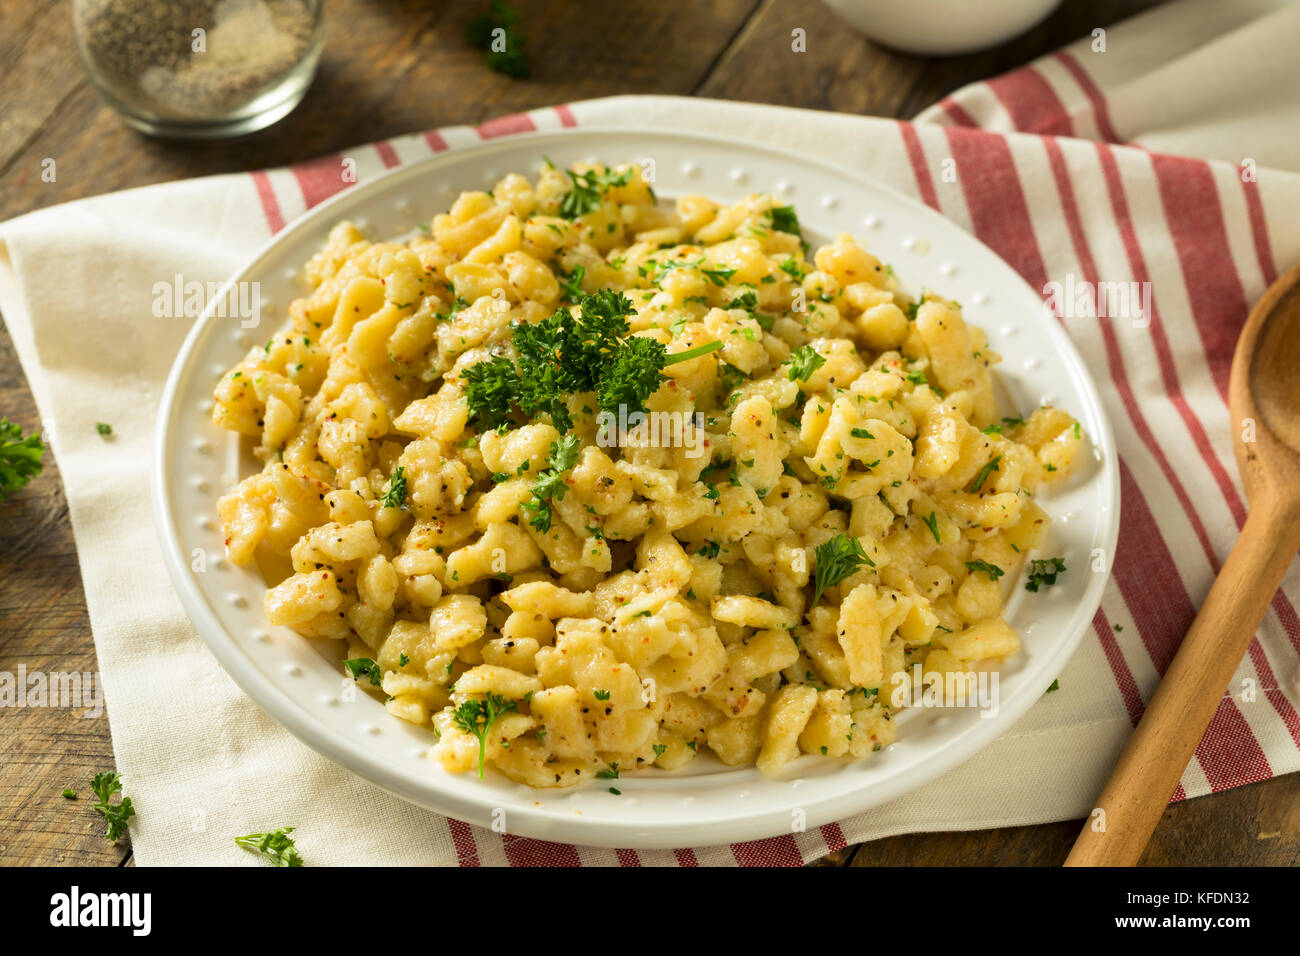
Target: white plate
point(300, 684)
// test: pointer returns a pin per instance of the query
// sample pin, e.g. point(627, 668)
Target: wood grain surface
point(397, 66)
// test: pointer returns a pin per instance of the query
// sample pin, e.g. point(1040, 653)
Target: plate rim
point(546, 823)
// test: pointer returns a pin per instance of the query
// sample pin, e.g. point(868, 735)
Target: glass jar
point(200, 69)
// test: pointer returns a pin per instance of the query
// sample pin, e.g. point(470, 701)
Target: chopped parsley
point(990, 467)
point(588, 190)
point(563, 455)
point(571, 285)
point(803, 362)
point(785, 219)
point(358, 667)
point(395, 496)
point(103, 429)
point(932, 523)
point(992, 570)
point(1044, 573)
point(277, 846)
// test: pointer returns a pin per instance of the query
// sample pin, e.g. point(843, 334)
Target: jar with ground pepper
point(200, 69)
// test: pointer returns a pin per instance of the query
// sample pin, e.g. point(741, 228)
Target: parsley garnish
point(103, 429)
point(803, 362)
point(792, 268)
point(20, 458)
point(1044, 572)
point(563, 455)
point(363, 666)
point(566, 354)
point(105, 785)
point(992, 570)
point(609, 773)
point(785, 219)
point(988, 469)
point(836, 560)
point(477, 717)
point(277, 846)
point(932, 523)
point(395, 496)
point(746, 300)
point(588, 190)
point(571, 285)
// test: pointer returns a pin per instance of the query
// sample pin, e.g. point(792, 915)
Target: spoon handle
point(1192, 689)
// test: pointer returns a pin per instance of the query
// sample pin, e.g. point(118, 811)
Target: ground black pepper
point(196, 60)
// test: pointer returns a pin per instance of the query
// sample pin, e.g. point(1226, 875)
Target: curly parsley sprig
point(566, 354)
point(837, 558)
point(277, 846)
point(20, 458)
point(104, 786)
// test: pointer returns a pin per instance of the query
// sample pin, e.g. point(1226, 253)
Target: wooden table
point(395, 66)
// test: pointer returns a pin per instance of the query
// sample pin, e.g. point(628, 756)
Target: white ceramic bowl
point(942, 27)
point(299, 682)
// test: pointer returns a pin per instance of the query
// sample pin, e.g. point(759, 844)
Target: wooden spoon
point(1264, 400)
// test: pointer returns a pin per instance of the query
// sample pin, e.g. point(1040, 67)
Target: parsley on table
point(476, 717)
point(588, 190)
point(277, 846)
point(358, 667)
point(103, 429)
point(395, 496)
point(563, 455)
point(105, 785)
point(20, 458)
point(1044, 572)
point(510, 58)
point(1056, 685)
point(836, 560)
point(803, 362)
point(992, 570)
